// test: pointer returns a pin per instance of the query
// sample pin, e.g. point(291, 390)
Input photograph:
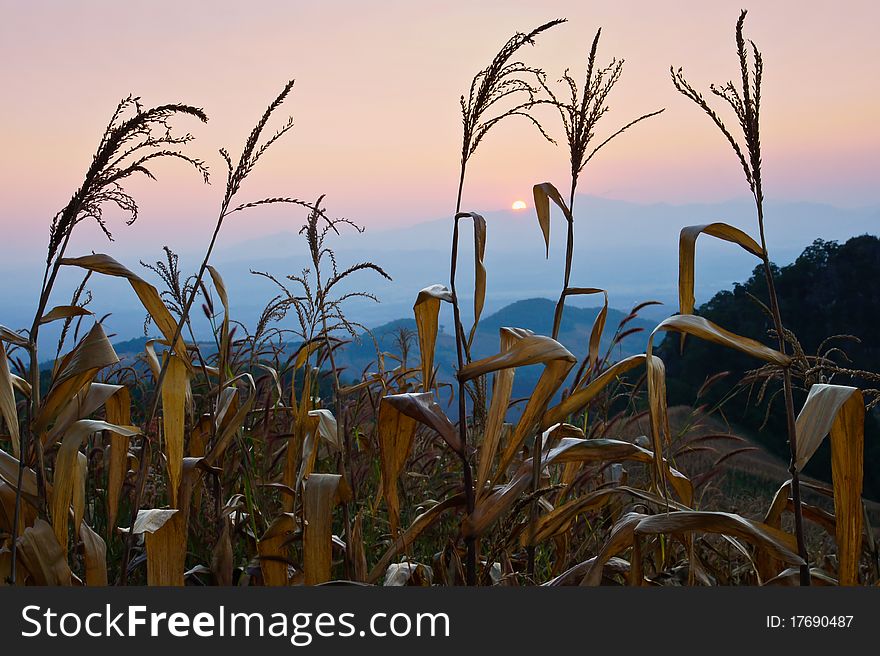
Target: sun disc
point(518, 205)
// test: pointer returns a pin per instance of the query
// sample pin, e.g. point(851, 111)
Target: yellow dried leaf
point(840, 411)
point(118, 411)
point(543, 193)
point(395, 432)
point(43, 556)
point(427, 310)
point(272, 548)
point(687, 246)
point(321, 494)
point(174, 420)
point(68, 474)
point(95, 556)
point(64, 312)
point(7, 401)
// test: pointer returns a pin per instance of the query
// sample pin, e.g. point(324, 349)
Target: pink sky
point(376, 104)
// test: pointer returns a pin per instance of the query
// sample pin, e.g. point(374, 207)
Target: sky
point(375, 105)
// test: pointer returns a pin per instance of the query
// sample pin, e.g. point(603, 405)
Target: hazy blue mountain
point(630, 249)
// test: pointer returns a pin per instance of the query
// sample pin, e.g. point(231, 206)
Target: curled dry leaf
point(581, 397)
point(165, 541)
point(7, 401)
point(479, 267)
point(569, 449)
point(94, 555)
point(779, 544)
point(272, 548)
point(76, 369)
point(686, 247)
point(840, 411)
point(149, 297)
point(89, 399)
point(543, 194)
point(424, 409)
point(408, 573)
point(526, 348)
point(501, 391)
point(427, 311)
point(43, 556)
point(64, 312)
point(68, 474)
point(395, 432)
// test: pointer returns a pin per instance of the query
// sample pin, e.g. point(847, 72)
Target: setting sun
point(518, 205)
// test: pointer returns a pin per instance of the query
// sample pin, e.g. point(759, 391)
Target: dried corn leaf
point(528, 349)
point(687, 246)
point(427, 311)
point(233, 423)
point(272, 548)
point(94, 555)
point(569, 449)
point(64, 312)
point(118, 412)
point(78, 368)
point(89, 399)
point(147, 294)
point(173, 392)
point(779, 544)
point(581, 397)
point(43, 556)
point(621, 538)
point(817, 417)
point(9, 472)
point(479, 267)
point(395, 432)
point(423, 408)
point(68, 476)
point(419, 525)
point(321, 494)
point(165, 541)
point(840, 411)
point(220, 286)
point(327, 427)
point(305, 351)
point(501, 392)
point(13, 337)
point(543, 194)
point(7, 401)
point(704, 329)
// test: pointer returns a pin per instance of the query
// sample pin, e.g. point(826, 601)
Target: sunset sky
point(376, 105)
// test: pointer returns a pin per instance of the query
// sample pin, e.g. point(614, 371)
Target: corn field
point(260, 462)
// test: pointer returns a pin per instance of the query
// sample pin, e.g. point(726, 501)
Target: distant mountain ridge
point(535, 314)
